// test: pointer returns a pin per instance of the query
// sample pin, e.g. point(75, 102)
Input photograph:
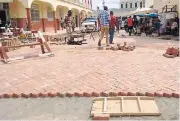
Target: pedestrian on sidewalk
point(130, 25)
point(120, 22)
point(104, 16)
point(68, 22)
point(62, 23)
point(174, 28)
point(73, 24)
point(158, 26)
point(112, 26)
point(117, 24)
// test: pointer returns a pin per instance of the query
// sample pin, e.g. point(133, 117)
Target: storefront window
point(50, 14)
point(126, 5)
point(35, 13)
point(5, 6)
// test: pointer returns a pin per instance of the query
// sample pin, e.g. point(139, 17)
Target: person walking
point(73, 24)
point(62, 24)
point(120, 22)
point(174, 28)
point(68, 22)
point(130, 25)
point(158, 26)
point(112, 26)
point(117, 24)
point(104, 16)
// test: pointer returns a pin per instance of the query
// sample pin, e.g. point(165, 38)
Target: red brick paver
point(86, 69)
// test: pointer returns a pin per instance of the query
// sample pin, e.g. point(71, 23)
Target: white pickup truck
point(90, 24)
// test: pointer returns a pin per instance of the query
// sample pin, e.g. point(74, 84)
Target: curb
point(85, 94)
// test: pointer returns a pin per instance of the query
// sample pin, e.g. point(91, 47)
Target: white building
point(127, 6)
point(149, 3)
point(131, 4)
point(168, 5)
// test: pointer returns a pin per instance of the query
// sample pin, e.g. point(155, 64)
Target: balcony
point(169, 8)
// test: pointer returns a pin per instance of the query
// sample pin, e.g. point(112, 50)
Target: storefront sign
point(6, 1)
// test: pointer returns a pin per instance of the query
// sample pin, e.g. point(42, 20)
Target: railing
point(169, 8)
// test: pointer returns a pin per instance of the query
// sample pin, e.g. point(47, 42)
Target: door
point(2, 18)
point(76, 18)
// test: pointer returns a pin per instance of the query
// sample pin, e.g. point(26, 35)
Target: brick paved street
point(86, 69)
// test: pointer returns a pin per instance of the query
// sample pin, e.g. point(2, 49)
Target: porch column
point(28, 11)
point(54, 18)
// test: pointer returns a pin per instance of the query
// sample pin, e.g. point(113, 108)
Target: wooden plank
point(131, 105)
point(126, 106)
point(105, 105)
point(146, 98)
point(24, 45)
point(114, 106)
point(139, 104)
point(122, 104)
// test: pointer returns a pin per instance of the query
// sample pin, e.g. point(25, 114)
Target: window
point(5, 6)
point(126, 5)
point(35, 13)
point(121, 5)
point(135, 5)
point(49, 14)
point(140, 4)
point(130, 5)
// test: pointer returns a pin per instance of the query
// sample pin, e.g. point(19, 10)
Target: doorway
point(3, 18)
point(76, 18)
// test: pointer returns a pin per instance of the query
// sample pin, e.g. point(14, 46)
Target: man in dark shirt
point(68, 22)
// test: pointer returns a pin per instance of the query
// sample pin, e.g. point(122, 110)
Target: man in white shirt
point(174, 28)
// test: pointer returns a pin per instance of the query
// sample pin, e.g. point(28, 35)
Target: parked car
point(89, 24)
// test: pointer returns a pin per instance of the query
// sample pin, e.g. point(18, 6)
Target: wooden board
point(125, 106)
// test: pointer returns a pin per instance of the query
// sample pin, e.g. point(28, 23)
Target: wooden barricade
point(39, 41)
point(8, 42)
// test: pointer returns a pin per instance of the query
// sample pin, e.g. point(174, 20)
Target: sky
point(109, 3)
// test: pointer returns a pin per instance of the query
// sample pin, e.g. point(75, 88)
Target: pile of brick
point(172, 52)
point(125, 47)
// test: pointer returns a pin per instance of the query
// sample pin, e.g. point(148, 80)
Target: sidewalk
point(59, 32)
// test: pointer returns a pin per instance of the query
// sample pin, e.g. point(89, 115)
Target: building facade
point(168, 5)
point(43, 15)
point(149, 3)
point(131, 4)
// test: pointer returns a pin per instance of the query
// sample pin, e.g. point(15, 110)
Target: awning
point(6, 1)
